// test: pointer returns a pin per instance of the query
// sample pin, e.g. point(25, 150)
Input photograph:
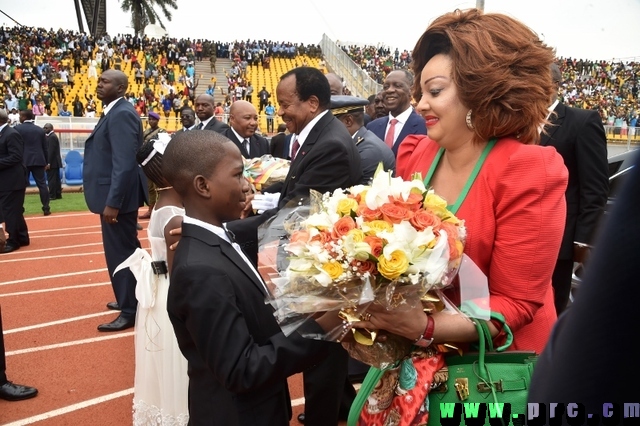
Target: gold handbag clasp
point(462, 388)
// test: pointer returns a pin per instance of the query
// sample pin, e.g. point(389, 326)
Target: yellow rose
point(356, 235)
point(393, 267)
point(333, 268)
point(376, 226)
point(346, 206)
point(437, 205)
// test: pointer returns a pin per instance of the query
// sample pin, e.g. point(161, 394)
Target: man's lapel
point(556, 118)
point(212, 239)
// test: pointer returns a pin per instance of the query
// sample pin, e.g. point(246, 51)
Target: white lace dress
point(161, 382)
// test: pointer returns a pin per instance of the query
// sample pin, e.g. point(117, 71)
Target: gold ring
point(366, 316)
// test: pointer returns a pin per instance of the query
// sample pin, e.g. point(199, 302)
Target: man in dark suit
point(279, 147)
point(13, 183)
point(114, 188)
point(605, 310)
point(402, 120)
point(35, 154)
point(10, 391)
point(238, 357)
point(373, 151)
point(323, 158)
point(578, 135)
point(243, 119)
point(54, 163)
point(188, 120)
point(205, 105)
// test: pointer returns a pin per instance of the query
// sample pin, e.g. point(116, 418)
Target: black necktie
point(199, 127)
point(230, 235)
point(246, 147)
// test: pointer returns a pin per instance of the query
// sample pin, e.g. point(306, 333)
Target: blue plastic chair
point(73, 168)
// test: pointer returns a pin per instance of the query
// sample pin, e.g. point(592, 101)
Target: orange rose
point(422, 219)
point(300, 236)
point(395, 214)
point(323, 237)
point(367, 214)
point(452, 238)
point(413, 202)
point(375, 243)
point(343, 226)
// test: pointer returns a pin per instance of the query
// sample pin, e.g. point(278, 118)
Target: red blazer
point(515, 216)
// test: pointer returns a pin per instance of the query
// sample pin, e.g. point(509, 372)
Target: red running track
point(53, 295)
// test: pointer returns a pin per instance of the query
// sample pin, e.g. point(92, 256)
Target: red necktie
point(389, 138)
point(294, 149)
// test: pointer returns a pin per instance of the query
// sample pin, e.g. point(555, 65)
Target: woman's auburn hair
point(500, 67)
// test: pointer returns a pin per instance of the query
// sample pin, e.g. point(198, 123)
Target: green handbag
point(490, 377)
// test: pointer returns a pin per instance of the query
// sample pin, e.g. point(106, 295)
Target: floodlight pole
point(480, 5)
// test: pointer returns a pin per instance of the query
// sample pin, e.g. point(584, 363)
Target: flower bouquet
point(392, 242)
point(266, 170)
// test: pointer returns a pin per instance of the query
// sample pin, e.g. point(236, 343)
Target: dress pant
point(324, 385)
point(38, 176)
point(120, 240)
point(12, 204)
point(3, 361)
point(55, 186)
point(561, 281)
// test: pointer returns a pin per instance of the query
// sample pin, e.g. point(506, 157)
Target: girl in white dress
point(161, 381)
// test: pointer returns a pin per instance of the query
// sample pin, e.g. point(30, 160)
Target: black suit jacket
point(13, 174)
point(110, 172)
point(238, 357)
point(216, 125)
point(259, 146)
point(35, 144)
point(53, 145)
point(279, 146)
point(571, 368)
point(415, 125)
point(578, 135)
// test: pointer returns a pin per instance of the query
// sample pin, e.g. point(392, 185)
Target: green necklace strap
point(454, 208)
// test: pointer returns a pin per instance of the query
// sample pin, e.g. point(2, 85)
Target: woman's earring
point(468, 121)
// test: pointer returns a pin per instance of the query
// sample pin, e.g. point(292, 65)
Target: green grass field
point(70, 202)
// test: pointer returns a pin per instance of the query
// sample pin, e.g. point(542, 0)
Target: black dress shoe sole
point(9, 249)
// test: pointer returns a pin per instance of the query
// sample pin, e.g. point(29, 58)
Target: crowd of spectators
point(38, 66)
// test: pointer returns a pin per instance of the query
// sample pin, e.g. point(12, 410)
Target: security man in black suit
point(13, 183)
point(35, 154)
point(278, 146)
point(578, 136)
point(204, 106)
point(54, 163)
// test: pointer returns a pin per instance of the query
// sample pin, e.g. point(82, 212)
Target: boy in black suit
point(238, 357)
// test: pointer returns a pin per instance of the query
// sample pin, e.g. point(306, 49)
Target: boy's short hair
point(190, 154)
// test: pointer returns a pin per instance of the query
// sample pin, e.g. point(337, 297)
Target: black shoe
point(113, 306)
point(12, 392)
point(117, 324)
point(10, 247)
point(301, 418)
point(138, 227)
point(47, 212)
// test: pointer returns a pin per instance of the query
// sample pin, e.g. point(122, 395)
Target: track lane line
point(48, 277)
point(58, 322)
point(71, 408)
point(68, 344)
point(47, 290)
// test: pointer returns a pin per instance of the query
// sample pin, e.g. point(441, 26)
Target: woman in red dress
point(484, 87)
